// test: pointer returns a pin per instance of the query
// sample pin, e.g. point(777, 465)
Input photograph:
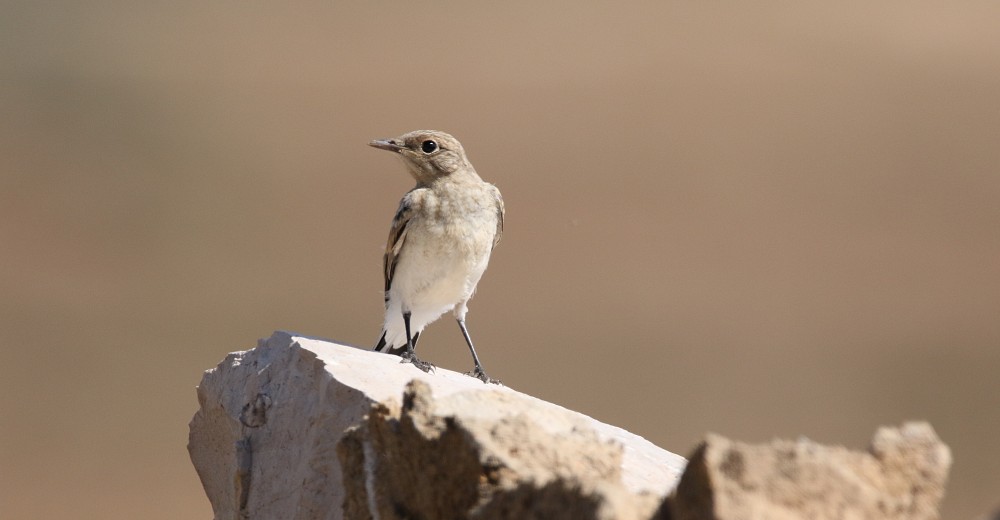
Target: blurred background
point(765, 220)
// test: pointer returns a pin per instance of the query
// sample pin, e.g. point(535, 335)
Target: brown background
point(763, 221)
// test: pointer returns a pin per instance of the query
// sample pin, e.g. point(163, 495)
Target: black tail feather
point(397, 351)
point(381, 343)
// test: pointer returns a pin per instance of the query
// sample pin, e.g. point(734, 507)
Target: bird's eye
point(429, 146)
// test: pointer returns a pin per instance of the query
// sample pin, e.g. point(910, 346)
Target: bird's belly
point(434, 282)
point(438, 273)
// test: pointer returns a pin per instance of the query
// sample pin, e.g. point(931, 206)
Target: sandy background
point(763, 221)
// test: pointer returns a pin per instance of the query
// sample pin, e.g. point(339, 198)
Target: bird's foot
point(479, 374)
point(410, 357)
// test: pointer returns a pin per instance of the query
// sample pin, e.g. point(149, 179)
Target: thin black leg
point(409, 356)
point(478, 372)
point(409, 339)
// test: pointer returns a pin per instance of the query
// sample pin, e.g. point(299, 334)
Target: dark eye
point(429, 146)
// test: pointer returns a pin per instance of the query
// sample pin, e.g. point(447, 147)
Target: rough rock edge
point(902, 476)
point(265, 441)
point(285, 428)
point(479, 470)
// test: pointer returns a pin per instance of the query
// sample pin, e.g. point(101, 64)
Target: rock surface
point(303, 428)
point(307, 429)
point(901, 476)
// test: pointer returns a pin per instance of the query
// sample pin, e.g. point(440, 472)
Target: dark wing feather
point(397, 236)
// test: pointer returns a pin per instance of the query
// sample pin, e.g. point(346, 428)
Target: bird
point(439, 245)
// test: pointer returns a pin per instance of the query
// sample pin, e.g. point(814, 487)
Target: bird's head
point(428, 154)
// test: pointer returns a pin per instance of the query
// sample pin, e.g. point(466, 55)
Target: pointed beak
point(386, 144)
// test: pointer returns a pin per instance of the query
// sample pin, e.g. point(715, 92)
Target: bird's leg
point(409, 356)
point(478, 372)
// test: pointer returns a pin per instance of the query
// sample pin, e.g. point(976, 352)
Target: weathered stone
point(302, 428)
point(902, 476)
point(435, 459)
point(306, 429)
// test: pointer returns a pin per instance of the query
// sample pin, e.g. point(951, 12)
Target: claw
point(408, 357)
point(480, 375)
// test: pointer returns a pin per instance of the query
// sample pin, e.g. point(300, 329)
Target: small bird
point(439, 243)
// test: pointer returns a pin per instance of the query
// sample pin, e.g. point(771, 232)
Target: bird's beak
point(386, 144)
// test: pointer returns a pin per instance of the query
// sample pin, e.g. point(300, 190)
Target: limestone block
point(304, 428)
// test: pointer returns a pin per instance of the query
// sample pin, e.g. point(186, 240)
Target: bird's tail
point(382, 346)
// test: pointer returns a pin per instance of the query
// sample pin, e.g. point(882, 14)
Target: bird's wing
point(397, 236)
point(498, 199)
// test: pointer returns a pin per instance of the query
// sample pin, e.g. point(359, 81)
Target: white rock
point(265, 443)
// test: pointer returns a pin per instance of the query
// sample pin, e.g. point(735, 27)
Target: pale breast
point(463, 218)
point(447, 247)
